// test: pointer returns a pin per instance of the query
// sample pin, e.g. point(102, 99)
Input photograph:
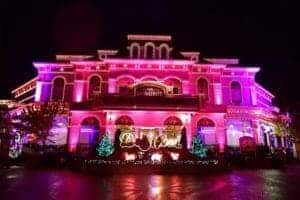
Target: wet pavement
point(19, 184)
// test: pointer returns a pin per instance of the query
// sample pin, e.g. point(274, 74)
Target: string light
point(156, 157)
point(174, 156)
point(129, 157)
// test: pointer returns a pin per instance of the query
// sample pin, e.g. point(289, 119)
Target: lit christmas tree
point(198, 148)
point(105, 148)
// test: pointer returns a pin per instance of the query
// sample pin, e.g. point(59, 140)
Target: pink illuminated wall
point(183, 75)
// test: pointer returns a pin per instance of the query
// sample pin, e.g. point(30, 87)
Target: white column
point(294, 150)
point(38, 91)
point(268, 139)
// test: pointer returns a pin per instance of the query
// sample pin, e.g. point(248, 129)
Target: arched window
point(172, 132)
point(94, 86)
point(149, 51)
point(58, 88)
point(175, 83)
point(172, 121)
point(135, 51)
point(205, 122)
point(163, 52)
point(207, 130)
point(236, 93)
point(125, 125)
point(89, 132)
point(203, 89)
point(124, 120)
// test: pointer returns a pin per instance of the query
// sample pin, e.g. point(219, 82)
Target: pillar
point(111, 86)
point(294, 150)
point(185, 87)
point(189, 135)
point(253, 96)
point(256, 131)
point(218, 96)
point(38, 91)
point(221, 138)
point(78, 91)
point(73, 139)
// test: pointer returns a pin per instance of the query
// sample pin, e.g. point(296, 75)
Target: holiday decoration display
point(174, 156)
point(156, 157)
point(153, 97)
point(129, 157)
point(198, 148)
point(105, 147)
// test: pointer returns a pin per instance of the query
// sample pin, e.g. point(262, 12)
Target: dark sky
point(260, 32)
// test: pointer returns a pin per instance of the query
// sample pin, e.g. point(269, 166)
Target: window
point(135, 51)
point(203, 89)
point(236, 93)
point(124, 120)
point(163, 52)
point(207, 130)
point(149, 51)
point(89, 132)
point(175, 83)
point(94, 86)
point(172, 121)
point(58, 88)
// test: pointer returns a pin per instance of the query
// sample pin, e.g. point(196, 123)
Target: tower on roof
point(149, 46)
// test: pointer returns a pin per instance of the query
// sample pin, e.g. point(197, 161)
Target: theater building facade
point(149, 89)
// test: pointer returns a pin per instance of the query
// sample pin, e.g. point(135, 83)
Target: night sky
point(263, 33)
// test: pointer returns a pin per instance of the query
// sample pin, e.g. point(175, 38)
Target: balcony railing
point(180, 103)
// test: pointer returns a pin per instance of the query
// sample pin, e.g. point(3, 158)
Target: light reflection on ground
point(61, 184)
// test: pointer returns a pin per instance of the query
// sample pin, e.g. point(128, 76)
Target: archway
point(125, 125)
point(207, 129)
point(94, 86)
point(172, 132)
point(175, 83)
point(89, 132)
point(58, 89)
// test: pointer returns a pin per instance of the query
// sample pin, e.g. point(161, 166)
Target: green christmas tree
point(105, 148)
point(198, 148)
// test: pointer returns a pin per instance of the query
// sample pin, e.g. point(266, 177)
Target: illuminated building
point(151, 90)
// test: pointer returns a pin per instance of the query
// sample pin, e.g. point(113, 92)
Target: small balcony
point(130, 102)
